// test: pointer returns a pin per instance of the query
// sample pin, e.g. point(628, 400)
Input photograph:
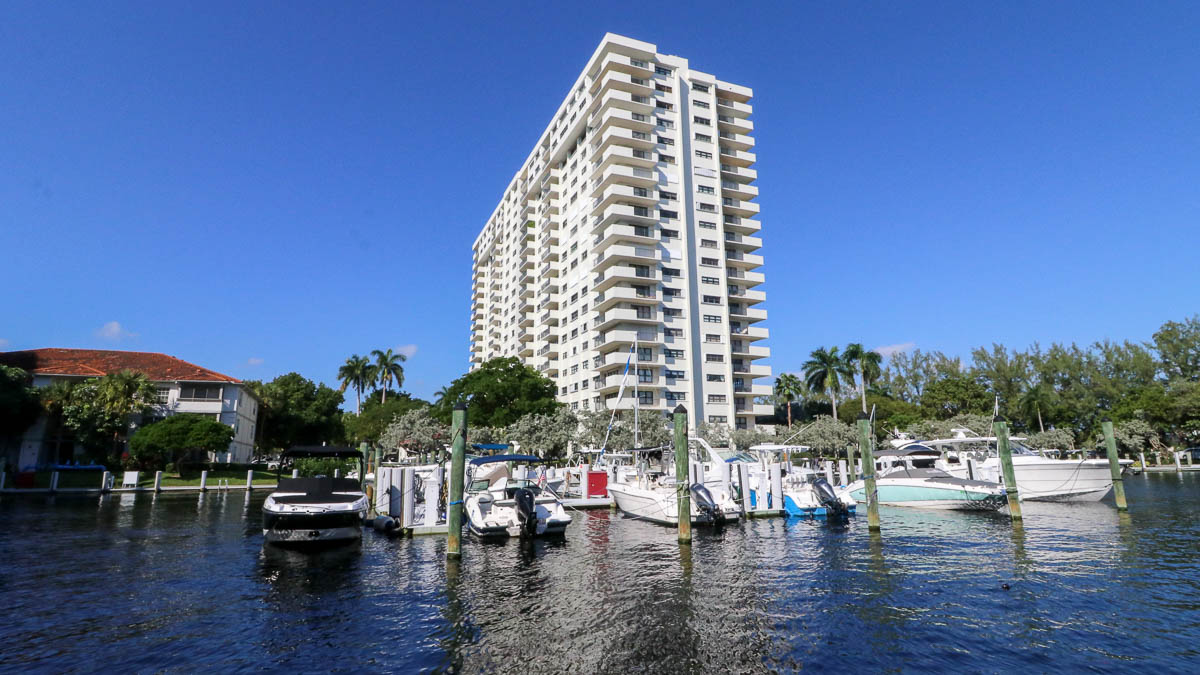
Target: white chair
point(130, 479)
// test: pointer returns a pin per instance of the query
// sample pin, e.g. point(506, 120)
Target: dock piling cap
point(680, 409)
point(461, 405)
point(863, 416)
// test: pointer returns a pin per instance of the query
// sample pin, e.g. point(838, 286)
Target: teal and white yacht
point(906, 476)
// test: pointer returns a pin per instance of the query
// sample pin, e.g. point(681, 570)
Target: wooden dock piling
point(868, 456)
point(683, 489)
point(1010, 476)
point(1114, 465)
point(454, 508)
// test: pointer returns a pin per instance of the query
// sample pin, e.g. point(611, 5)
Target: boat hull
point(1044, 479)
point(659, 507)
point(924, 495)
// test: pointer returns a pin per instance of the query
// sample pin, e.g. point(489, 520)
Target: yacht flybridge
point(315, 510)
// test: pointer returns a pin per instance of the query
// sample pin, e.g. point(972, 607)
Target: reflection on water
point(142, 582)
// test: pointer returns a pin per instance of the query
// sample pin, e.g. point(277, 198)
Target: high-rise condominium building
point(631, 230)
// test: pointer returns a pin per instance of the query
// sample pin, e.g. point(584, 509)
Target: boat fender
point(387, 525)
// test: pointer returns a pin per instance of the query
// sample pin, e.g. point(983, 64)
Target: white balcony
point(620, 294)
point(642, 235)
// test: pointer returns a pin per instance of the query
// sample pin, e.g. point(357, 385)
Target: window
point(702, 120)
point(708, 243)
point(672, 312)
point(645, 375)
point(709, 262)
point(663, 87)
point(663, 140)
point(700, 87)
point(709, 280)
point(670, 272)
point(659, 70)
point(673, 374)
point(673, 332)
point(705, 189)
point(646, 397)
point(714, 358)
point(200, 392)
point(715, 378)
point(638, 117)
point(637, 192)
point(703, 155)
point(675, 396)
point(673, 353)
point(639, 135)
point(708, 225)
point(670, 293)
point(718, 419)
point(710, 208)
point(670, 234)
point(716, 398)
point(667, 159)
point(666, 124)
point(711, 300)
point(162, 395)
point(712, 318)
point(700, 104)
point(664, 105)
point(704, 138)
point(639, 64)
point(645, 354)
point(663, 194)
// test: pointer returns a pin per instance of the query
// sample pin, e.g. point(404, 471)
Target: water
point(183, 583)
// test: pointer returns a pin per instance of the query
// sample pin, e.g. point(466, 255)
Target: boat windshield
point(1019, 448)
point(731, 456)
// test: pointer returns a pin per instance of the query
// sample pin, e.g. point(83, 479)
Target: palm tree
point(1037, 397)
point(124, 393)
point(357, 372)
point(387, 366)
point(824, 372)
point(441, 394)
point(788, 387)
point(867, 363)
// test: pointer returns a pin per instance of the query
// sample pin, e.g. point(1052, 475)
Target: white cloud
point(888, 350)
point(254, 361)
point(113, 331)
point(408, 351)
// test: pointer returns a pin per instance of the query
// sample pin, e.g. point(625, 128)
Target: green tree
point(357, 373)
point(416, 431)
point(789, 388)
point(1055, 439)
point(299, 411)
point(716, 435)
point(827, 436)
point(176, 438)
point(387, 368)
point(1004, 373)
point(952, 395)
point(499, 392)
point(376, 415)
point(19, 401)
point(824, 372)
point(867, 363)
point(1178, 347)
point(1036, 399)
point(92, 425)
point(908, 373)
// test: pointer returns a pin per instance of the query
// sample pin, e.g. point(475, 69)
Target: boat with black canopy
point(319, 509)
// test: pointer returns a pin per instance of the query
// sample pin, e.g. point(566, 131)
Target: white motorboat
point(656, 500)
point(499, 506)
point(1038, 478)
point(806, 493)
point(315, 510)
point(907, 477)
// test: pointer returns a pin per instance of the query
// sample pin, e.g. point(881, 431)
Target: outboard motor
point(526, 511)
point(706, 504)
point(828, 497)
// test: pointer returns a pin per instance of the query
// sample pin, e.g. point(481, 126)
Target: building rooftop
point(100, 362)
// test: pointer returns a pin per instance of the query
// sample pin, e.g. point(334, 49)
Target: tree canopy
point(19, 401)
point(178, 437)
point(297, 411)
point(500, 392)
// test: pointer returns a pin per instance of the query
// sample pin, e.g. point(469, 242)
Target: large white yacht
point(1038, 478)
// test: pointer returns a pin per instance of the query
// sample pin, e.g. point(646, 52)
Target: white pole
point(583, 480)
point(776, 487)
point(54, 482)
point(158, 481)
point(203, 481)
point(337, 473)
point(829, 471)
point(249, 480)
point(1142, 456)
point(842, 471)
point(744, 483)
point(432, 487)
point(1178, 465)
point(295, 473)
point(409, 496)
point(104, 481)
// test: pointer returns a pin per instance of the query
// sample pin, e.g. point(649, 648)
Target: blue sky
point(267, 187)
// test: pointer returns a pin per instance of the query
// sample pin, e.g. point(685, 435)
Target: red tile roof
point(100, 362)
